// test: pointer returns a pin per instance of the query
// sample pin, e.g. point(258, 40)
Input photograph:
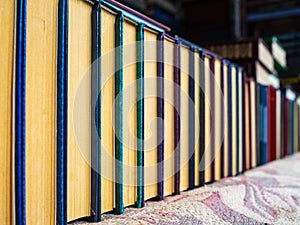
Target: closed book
point(6, 120)
point(240, 119)
point(263, 94)
point(292, 125)
point(130, 115)
point(298, 117)
point(218, 113)
point(227, 136)
point(234, 134)
point(286, 127)
point(247, 127)
point(184, 118)
point(107, 96)
point(278, 53)
point(271, 123)
point(282, 124)
point(198, 157)
point(40, 120)
point(199, 109)
point(296, 126)
point(150, 112)
point(278, 124)
point(253, 119)
point(79, 111)
point(246, 50)
point(169, 145)
point(207, 92)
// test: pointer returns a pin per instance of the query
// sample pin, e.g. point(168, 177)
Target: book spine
point(119, 123)
point(202, 121)
point(192, 118)
point(272, 124)
point(20, 114)
point(264, 124)
point(212, 116)
point(96, 104)
point(62, 114)
point(140, 115)
point(230, 121)
point(160, 115)
point(177, 117)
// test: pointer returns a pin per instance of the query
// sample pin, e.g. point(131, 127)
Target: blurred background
point(219, 21)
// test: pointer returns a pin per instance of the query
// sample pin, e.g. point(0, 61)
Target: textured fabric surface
point(269, 194)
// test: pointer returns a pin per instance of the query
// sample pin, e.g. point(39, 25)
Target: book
point(7, 20)
point(79, 110)
point(279, 128)
point(240, 112)
point(278, 53)
point(253, 118)
point(227, 124)
point(289, 116)
point(218, 112)
point(40, 129)
point(247, 126)
point(271, 123)
point(150, 112)
point(130, 113)
point(296, 126)
point(191, 128)
point(184, 115)
point(207, 107)
point(286, 126)
point(234, 106)
point(246, 50)
point(107, 96)
point(198, 155)
point(297, 148)
point(169, 50)
point(263, 110)
point(282, 123)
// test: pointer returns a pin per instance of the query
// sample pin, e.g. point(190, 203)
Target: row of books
point(104, 109)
